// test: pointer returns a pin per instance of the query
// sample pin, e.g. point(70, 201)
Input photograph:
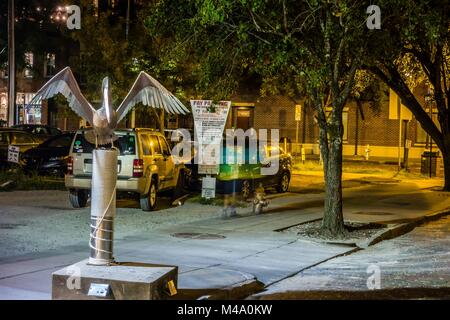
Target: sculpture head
point(107, 100)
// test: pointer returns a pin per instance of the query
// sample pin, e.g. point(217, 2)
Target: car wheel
point(78, 198)
point(148, 203)
point(245, 191)
point(283, 185)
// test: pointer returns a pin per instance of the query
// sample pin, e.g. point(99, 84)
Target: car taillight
point(138, 168)
point(70, 165)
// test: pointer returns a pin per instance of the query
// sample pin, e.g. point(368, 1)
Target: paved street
point(40, 233)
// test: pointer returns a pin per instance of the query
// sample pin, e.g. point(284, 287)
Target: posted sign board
point(208, 187)
point(209, 123)
point(13, 154)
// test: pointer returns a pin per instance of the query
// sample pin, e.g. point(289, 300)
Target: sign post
point(298, 118)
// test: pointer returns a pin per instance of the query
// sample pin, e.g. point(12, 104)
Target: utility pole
point(11, 65)
point(128, 20)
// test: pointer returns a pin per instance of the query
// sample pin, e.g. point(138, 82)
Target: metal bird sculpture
point(145, 90)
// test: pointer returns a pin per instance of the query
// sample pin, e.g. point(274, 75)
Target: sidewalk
point(234, 257)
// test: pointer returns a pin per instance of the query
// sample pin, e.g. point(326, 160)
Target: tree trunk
point(333, 220)
point(446, 157)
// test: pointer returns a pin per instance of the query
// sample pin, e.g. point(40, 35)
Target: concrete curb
point(402, 228)
point(382, 294)
point(235, 291)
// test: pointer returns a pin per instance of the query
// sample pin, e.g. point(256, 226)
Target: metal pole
point(431, 140)
point(103, 206)
point(11, 65)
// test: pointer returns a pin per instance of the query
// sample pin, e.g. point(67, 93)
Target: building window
point(421, 136)
point(282, 118)
point(50, 65)
point(3, 106)
point(345, 124)
point(28, 114)
point(29, 61)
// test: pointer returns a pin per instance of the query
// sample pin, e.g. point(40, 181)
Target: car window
point(164, 145)
point(155, 144)
point(20, 138)
point(54, 131)
point(59, 142)
point(146, 145)
point(126, 143)
point(4, 138)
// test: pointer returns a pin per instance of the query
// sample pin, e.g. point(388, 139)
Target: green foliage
point(277, 45)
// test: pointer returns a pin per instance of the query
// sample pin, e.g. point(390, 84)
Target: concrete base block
point(126, 281)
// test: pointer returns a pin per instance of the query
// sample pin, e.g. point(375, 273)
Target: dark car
point(41, 132)
point(50, 157)
point(15, 137)
point(246, 177)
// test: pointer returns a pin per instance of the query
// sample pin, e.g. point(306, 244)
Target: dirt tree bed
point(353, 231)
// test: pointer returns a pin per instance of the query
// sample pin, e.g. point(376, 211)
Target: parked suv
point(145, 167)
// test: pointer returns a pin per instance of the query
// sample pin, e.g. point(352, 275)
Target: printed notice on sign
point(209, 123)
point(13, 154)
point(208, 187)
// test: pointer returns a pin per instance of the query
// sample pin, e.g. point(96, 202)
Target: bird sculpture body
point(145, 90)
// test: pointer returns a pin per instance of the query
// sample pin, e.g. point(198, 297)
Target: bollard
point(303, 155)
point(367, 152)
point(103, 206)
point(260, 201)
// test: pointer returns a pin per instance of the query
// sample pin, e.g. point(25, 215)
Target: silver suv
point(145, 167)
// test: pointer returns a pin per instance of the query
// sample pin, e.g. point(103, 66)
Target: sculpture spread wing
point(150, 92)
point(65, 83)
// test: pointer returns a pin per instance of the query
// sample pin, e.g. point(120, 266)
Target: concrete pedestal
point(126, 282)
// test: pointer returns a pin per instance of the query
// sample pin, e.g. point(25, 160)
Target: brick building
point(378, 129)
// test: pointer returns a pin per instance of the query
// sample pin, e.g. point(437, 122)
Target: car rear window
point(125, 143)
point(59, 142)
point(21, 137)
